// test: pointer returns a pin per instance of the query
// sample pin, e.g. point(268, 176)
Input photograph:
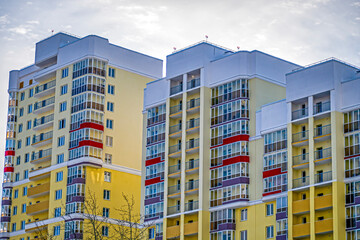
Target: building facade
point(243, 145)
point(72, 134)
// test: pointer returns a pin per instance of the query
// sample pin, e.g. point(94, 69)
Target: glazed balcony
point(301, 113)
point(43, 122)
point(173, 232)
point(301, 230)
point(44, 106)
point(323, 202)
point(42, 139)
point(37, 208)
point(176, 89)
point(45, 89)
point(191, 228)
point(39, 190)
point(193, 83)
point(321, 107)
point(301, 182)
point(301, 206)
point(324, 226)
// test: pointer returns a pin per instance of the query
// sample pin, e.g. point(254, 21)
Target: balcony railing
point(175, 109)
point(323, 177)
point(193, 143)
point(322, 153)
point(173, 210)
point(44, 103)
point(41, 154)
point(303, 112)
point(301, 182)
point(193, 123)
point(175, 148)
point(176, 89)
point(175, 128)
point(321, 107)
point(42, 137)
point(174, 168)
point(45, 87)
point(192, 185)
point(193, 83)
point(300, 136)
point(321, 131)
point(174, 189)
point(193, 103)
point(190, 206)
point(300, 159)
point(43, 120)
point(192, 164)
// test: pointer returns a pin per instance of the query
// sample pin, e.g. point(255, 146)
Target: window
point(60, 158)
point(57, 212)
point(22, 96)
point(63, 89)
point(106, 194)
point(58, 194)
point(109, 123)
point(31, 92)
point(17, 177)
point(64, 72)
point(20, 128)
point(61, 141)
point(30, 108)
point(105, 231)
point(23, 208)
point(22, 225)
point(59, 176)
point(25, 191)
point(14, 210)
point(109, 141)
point(106, 212)
point(27, 157)
point(111, 72)
point(243, 214)
point(243, 235)
point(111, 89)
point(269, 209)
point(108, 158)
point(28, 125)
point(14, 227)
point(63, 106)
point(151, 233)
point(16, 193)
point(19, 144)
point(62, 123)
point(110, 106)
point(107, 176)
point(21, 112)
point(270, 231)
point(26, 174)
point(28, 141)
point(57, 230)
point(18, 160)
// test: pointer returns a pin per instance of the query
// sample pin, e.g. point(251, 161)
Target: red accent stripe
point(89, 143)
point(90, 125)
point(152, 161)
point(237, 138)
point(233, 160)
point(271, 193)
point(272, 172)
point(9, 169)
point(9, 153)
point(352, 156)
point(152, 181)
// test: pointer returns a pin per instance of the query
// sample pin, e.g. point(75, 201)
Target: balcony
point(44, 106)
point(301, 230)
point(43, 122)
point(323, 177)
point(193, 106)
point(323, 202)
point(39, 190)
point(39, 173)
point(174, 190)
point(301, 113)
point(42, 139)
point(300, 138)
point(301, 206)
point(192, 166)
point(175, 150)
point(322, 155)
point(192, 125)
point(301, 182)
point(174, 171)
point(301, 161)
point(321, 107)
point(191, 206)
point(190, 228)
point(37, 208)
point(176, 89)
point(175, 111)
point(192, 187)
point(324, 226)
point(175, 131)
point(41, 156)
point(45, 89)
point(193, 83)
point(192, 146)
point(173, 232)
point(173, 210)
point(322, 133)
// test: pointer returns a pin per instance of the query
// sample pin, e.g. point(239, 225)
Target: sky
point(300, 31)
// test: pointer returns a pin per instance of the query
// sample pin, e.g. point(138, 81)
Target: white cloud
point(4, 19)
point(20, 30)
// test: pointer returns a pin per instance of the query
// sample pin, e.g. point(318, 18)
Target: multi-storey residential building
point(243, 145)
point(71, 132)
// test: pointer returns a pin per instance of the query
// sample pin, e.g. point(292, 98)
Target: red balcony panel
point(152, 161)
point(352, 156)
point(89, 143)
point(233, 160)
point(237, 138)
point(271, 193)
point(9, 169)
point(152, 181)
point(272, 172)
point(90, 125)
point(9, 153)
